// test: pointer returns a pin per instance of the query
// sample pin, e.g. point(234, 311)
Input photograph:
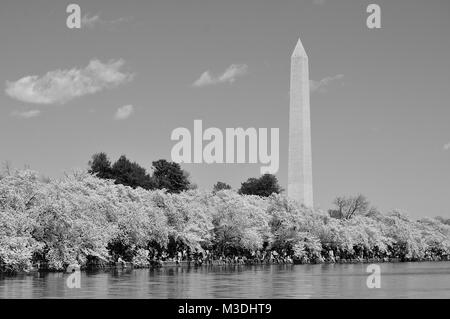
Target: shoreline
point(214, 263)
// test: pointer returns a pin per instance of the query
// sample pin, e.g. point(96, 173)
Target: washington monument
point(300, 186)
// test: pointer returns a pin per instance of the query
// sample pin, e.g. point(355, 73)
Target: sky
point(137, 70)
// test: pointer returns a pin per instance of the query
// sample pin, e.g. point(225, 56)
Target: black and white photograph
point(224, 149)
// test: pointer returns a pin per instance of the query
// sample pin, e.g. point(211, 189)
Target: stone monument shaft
point(300, 186)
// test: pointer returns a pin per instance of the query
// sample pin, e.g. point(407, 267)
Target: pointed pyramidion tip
point(299, 50)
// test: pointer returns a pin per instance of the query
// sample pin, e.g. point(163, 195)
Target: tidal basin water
point(398, 280)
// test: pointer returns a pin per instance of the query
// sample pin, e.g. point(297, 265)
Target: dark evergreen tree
point(220, 186)
point(131, 174)
point(170, 176)
point(100, 165)
point(264, 186)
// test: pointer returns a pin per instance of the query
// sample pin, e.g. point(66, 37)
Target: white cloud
point(228, 76)
point(26, 114)
point(61, 86)
point(89, 22)
point(124, 112)
point(446, 147)
point(204, 79)
point(233, 71)
point(320, 86)
point(92, 21)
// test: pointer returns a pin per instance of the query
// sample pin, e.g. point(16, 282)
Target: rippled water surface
point(398, 280)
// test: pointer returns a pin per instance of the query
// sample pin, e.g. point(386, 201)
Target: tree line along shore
point(86, 220)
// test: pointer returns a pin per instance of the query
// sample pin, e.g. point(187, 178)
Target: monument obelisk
point(300, 186)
